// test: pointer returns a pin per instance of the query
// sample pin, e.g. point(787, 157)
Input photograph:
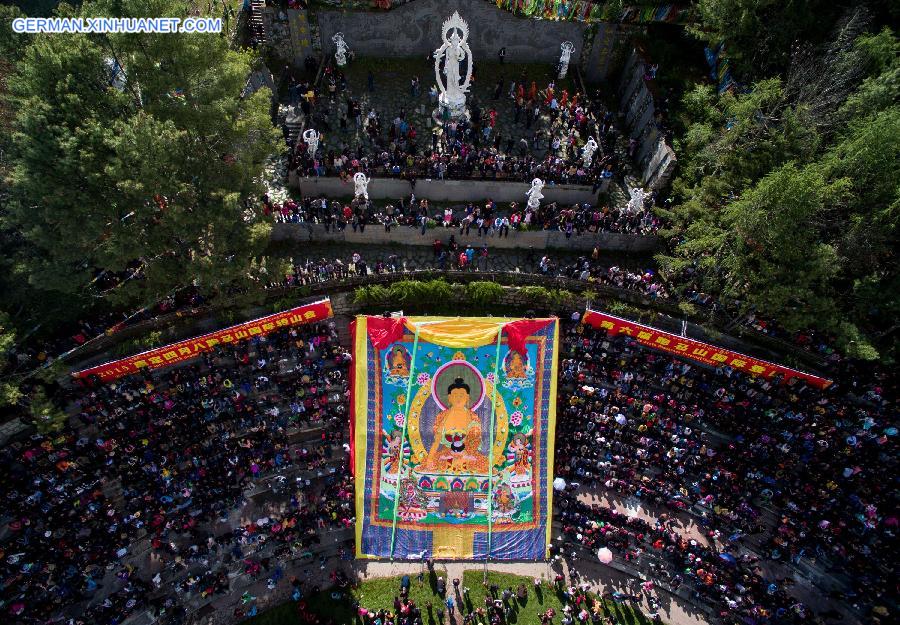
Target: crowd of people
point(774, 474)
point(165, 459)
point(552, 124)
point(727, 448)
point(30, 355)
point(456, 256)
point(489, 218)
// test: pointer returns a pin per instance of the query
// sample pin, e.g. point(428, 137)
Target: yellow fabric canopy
point(457, 331)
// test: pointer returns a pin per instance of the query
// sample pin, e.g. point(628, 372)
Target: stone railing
point(538, 240)
point(435, 190)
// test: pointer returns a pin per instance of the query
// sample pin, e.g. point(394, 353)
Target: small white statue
point(361, 185)
point(636, 203)
point(454, 50)
point(587, 152)
point(311, 137)
point(567, 48)
point(340, 54)
point(534, 194)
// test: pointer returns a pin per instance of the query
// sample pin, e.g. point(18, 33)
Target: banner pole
point(490, 510)
point(412, 369)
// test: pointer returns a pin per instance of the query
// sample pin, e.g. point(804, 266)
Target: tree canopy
point(786, 202)
point(135, 159)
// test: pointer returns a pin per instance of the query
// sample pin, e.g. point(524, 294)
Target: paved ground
point(392, 94)
point(634, 507)
point(414, 257)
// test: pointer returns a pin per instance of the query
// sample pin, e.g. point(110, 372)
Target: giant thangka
point(453, 434)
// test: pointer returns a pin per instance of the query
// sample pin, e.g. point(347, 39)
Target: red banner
point(190, 348)
point(695, 350)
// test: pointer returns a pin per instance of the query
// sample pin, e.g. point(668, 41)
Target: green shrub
point(561, 297)
point(535, 293)
point(484, 293)
point(48, 417)
point(371, 295)
point(688, 309)
point(622, 309)
point(283, 303)
point(139, 344)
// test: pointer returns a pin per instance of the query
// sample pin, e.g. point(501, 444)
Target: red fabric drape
point(518, 331)
point(384, 330)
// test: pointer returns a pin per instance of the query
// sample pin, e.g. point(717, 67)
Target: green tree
point(774, 252)
point(759, 34)
point(9, 388)
point(136, 160)
point(791, 207)
point(11, 42)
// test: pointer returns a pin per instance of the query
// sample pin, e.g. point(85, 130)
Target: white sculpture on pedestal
point(587, 152)
point(455, 50)
point(361, 185)
point(311, 137)
point(534, 194)
point(636, 203)
point(340, 54)
point(567, 48)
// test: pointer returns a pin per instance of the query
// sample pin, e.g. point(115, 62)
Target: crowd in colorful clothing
point(555, 124)
point(489, 218)
point(164, 460)
point(774, 473)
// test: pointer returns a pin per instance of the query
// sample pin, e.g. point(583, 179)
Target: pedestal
point(455, 107)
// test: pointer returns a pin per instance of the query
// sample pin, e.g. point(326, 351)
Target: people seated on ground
point(678, 438)
point(168, 458)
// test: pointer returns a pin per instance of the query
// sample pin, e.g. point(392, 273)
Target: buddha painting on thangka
point(436, 464)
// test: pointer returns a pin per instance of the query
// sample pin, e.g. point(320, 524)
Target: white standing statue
point(587, 152)
point(454, 50)
point(311, 137)
point(534, 194)
point(567, 48)
point(636, 203)
point(361, 184)
point(340, 54)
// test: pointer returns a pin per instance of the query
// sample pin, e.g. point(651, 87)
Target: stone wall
point(539, 240)
point(445, 190)
point(655, 159)
point(598, 64)
point(414, 30)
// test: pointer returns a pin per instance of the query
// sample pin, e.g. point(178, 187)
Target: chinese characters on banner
point(695, 350)
point(189, 348)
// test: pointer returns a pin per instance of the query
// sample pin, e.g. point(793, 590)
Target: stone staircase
point(293, 120)
point(257, 22)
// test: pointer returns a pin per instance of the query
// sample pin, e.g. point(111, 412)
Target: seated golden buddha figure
point(457, 436)
point(516, 366)
point(399, 366)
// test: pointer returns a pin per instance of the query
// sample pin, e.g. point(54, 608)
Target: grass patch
point(526, 612)
point(378, 594)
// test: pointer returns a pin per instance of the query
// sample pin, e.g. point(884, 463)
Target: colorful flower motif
point(517, 402)
point(423, 379)
point(516, 418)
point(491, 377)
point(399, 419)
point(401, 399)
